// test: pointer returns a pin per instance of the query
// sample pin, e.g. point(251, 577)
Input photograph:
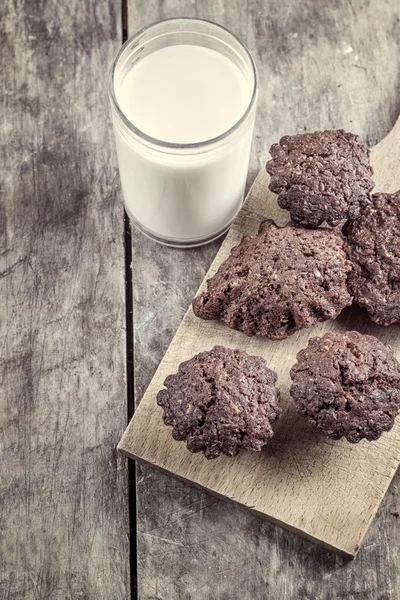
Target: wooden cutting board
point(326, 490)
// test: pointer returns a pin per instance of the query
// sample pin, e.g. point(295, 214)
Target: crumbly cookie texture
point(320, 177)
point(374, 248)
point(348, 385)
point(280, 281)
point(221, 401)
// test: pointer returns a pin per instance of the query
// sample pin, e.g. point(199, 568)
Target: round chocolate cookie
point(221, 401)
point(280, 281)
point(374, 248)
point(347, 385)
point(321, 177)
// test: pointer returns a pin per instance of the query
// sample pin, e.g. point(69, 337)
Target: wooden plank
point(63, 489)
point(328, 491)
point(309, 80)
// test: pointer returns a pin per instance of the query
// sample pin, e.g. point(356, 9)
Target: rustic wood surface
point(63, 489)
point(328, 491)
point(63, 493)
point(322, 65)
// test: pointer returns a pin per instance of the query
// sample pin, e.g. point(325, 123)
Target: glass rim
point(173, 145)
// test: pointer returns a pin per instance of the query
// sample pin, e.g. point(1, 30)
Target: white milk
point(183, 94)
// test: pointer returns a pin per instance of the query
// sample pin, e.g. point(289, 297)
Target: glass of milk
point(183, 95)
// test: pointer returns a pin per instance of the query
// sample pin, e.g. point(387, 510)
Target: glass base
point(176, 243)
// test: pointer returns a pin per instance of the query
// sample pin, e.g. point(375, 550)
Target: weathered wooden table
point(73, 515)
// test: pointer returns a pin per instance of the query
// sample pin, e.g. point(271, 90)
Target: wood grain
point(63, 489)
point(326, 490)
point(191, 545)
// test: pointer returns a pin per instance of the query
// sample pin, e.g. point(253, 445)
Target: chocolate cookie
point(374, 248)
point(221, 401)
point(347, 385)
point(280, 281)
point(321, 177)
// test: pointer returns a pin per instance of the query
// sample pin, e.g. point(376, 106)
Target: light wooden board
point(63, 488)
point(326, 490)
